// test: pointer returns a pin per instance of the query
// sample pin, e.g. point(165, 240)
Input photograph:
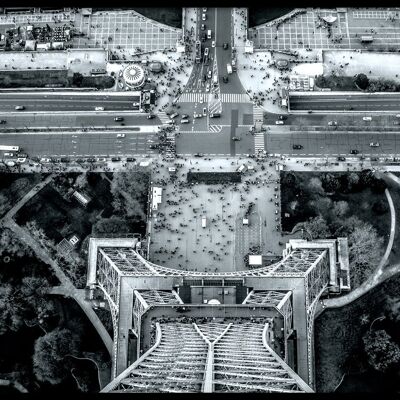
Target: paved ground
point(301, 31)
point(130, 33)
point(216, 245)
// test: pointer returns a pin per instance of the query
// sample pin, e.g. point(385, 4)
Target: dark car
point(225, 46)
point(215, 115)
point(235, 139)
point(130, 159)
point(3, 121)
point(354, 151)
point(225, 79)
point(341, 159)
point(91, 159)
point(203, 37)
point(80, 160)
point(118, 119)
point(374, 158)
point(151, 116)
point(198, 155)
point(282, 117)
point(297, 146)
point(153, 146)
point(115, 159)
point(65, 160)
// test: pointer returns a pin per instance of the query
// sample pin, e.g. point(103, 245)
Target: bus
point(10, 148)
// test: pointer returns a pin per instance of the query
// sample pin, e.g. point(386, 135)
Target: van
point(203, 221)
point(209, 34)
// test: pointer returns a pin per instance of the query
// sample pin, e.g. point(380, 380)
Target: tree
point(382, 352)
point(10, 309)
point(340, 208)
point(11, 245)
point(352, 181)
point(50, 350)
point(315, 186)
point(321, 206)
point(393, 308)
point(81, 181)
point(77, 79)
point(330, 182)
point(317, 227)
point(111, 225)
point(362, 81)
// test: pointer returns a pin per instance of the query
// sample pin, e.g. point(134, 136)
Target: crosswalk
point(259, 142)
point(192, 97)
point(258, 114)
point(163, 117)
point(215, 128)
point(235, 98)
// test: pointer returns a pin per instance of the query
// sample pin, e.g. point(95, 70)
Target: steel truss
point(216, 357)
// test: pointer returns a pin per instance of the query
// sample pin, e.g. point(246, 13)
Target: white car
point(372, 144)
point(330, 123)
point(203, 17)
point(279, 122)
point(213, 43)
point(99, 109)
point(367, 119)
point(205, 111)
point(8, 154)
point(45, 160)
point(121, 135)
point(207, 87)
point(204, 9)
point(19, 108)
point(101, 159)
point(201, 99)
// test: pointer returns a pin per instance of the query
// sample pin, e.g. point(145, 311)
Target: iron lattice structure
point(214, 357)
point(306, 270)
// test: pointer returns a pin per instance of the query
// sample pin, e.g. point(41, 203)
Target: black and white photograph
point(199, 199)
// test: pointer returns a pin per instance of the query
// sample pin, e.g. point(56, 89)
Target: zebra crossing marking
point(259, 145)
point(163, 117)
point(235, 98)
point(215, 128)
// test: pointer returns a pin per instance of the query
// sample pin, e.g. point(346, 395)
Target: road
point(82, 144)
point(332, 143)
point(65, 102)
point(327, 102)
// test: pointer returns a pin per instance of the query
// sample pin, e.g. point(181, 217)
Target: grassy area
point(48, 78)
point(338, 339)
point(171, 16)
point(261, 15)
point(337, 83)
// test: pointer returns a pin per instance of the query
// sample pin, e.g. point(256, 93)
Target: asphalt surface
point(82, 144)
point(65, 102)
point(367, 102)
point(332, 143)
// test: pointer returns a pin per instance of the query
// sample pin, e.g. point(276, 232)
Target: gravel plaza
point(131, 33)
point(223, 243)
point(301, 31)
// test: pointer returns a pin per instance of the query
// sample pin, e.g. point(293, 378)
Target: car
point(203, 17)
point(91, 159)
point(174, 115)
point(235, 139)
point(184, 121)
point(374, 159)
point(215, 115)
point(101, 159)
point(207, 87)
point(153, 146)
point(8, 154)
point(309, 111)
point(65, 160)
point(341, 158)
point(20, 108)
point(279, 122)
point(99, 109)
point(282, 117)
point(209, 74)
point(206, 52)
point(45, 160)
point(201, 99)
point(372, 144)
point(276, 212)
point(330, 123)
point(367, 118)
point(170, 122)
point(121, 135)
point(198, 155)
point(204, 78)
point(3, 121)
point(396, 123)
point(354, 151)
point(203, 27)
point(203, 37)
point(225, 46)
point(118, 119)
point(130, 159)
point(204, 9)
point(115, 159)
point(225, 79)
point(151, 116)
point(297, 146)
point(21, 159)
point(213, 43)
point(184, 116)
point(204, 111)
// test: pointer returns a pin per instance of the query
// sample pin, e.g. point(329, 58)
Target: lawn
point(338, 339)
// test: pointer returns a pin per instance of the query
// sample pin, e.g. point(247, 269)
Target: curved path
point(381, 273)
